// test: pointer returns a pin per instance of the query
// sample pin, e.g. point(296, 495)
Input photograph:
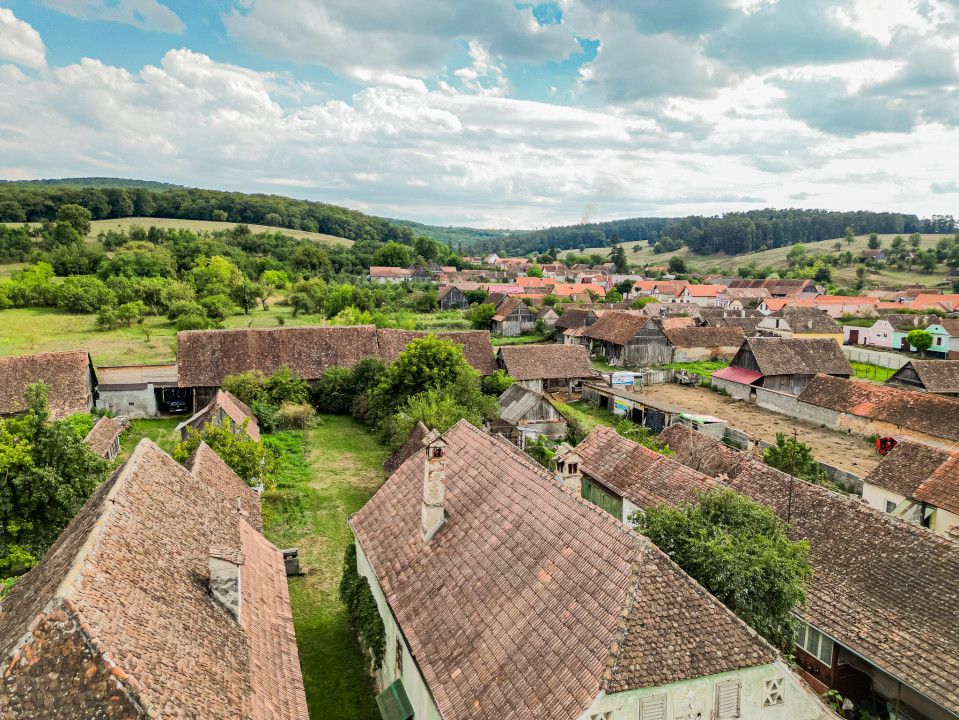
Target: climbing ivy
point(361, 606)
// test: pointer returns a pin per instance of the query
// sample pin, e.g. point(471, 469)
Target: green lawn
point(589, 415)
point(329, 473)
point(706, 368)
point(872, 372)
point(520, 340)
point(159, 431)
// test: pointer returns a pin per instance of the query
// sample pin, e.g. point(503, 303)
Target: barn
point(526, 415)
point(512, 318)
point(451, 297)
point(936, 376)
point(629, 339)
point(696, 344)
point(546, 368)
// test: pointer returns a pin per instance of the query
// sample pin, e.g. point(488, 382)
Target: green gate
point(598, 495)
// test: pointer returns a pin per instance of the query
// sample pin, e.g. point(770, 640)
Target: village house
point(873, 617)
point(866, 409)
point(141, 391)
point(629, 339)
point(572, 320)
point(739, 298)
point(548, 315)
point(546, 368)
point(527, 555)
point(928, 301)
point(775, 305)
point(104, 438)
point(704, 295)
point(513, 317)
point(801, 323)
point(779, 288)
point(418, 273)
point(783, 365)
point(875, 254)
point(696, 344)
point(945, 336)
point(393, 275)
point(526, 415)
point(555, 270)
point(450, 297)
point(918, 483)
point(160, 599)
point(70, 375)
point(936, 376)
point(222, 408)
point(888, 331)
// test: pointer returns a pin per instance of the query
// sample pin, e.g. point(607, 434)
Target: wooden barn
point(936, 376)
point(546, 368)
point(526, 415)
point(629, 339)
point(570, 324)
point(451, 297)
point(786, 365)
point(512, 318)
point(696, 344)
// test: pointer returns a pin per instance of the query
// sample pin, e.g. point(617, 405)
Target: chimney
point(434, 486)
point(225, 564)
point(567, 468)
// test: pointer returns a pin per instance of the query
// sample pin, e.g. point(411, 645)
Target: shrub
point(193, 322)
point(218, 307)
point(176, 308)
point(497, 383)
point(367, 374)
point(334, 391)
point(252, 460)
point(265, 413)
point(296, 416)
point(361, 608)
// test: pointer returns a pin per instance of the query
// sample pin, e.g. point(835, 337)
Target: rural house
point(160, 599)
point(451, 297)
point(784, 365)
point(548, 315)
point(888, 332)
point(513, 317)
point(801, 323)
point(70, 375)
point(936, 376)
point(224, 406)
point(412, 445)
point(629, 339)
point(945, 336)
point(918, 483)
point(695, 344)
point(875, 254)
point(104, 438)
point(559, 610)
point(703, 295)
point(546, 368)
point(526, 415)
point(572, 320)
point(393, 275)
point(873, 618)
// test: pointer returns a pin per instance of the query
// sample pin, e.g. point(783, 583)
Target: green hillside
point(450, 234)
point(99, 182)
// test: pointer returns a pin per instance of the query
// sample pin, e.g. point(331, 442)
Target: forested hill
point(457, 236)
point(732, 233)
point(99, 182)
point(33, 202)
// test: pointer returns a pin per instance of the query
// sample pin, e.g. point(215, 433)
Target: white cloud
point(19, 42)
point(146, 14)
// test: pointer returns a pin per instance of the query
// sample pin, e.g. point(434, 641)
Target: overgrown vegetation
point(795, 458)
point(251, 459)
point(361, 607)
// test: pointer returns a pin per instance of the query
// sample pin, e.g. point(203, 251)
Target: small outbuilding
point(104, 438)
point(936, 376)
point(696, 344)
point(451, 297)
point(223, 407)
point(512, 318)
point(546, 368)
point(141, 391)
point(525, 415)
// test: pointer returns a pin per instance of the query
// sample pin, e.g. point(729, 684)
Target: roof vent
point(225, 564)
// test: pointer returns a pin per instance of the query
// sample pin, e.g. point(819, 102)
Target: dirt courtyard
point(849, 452)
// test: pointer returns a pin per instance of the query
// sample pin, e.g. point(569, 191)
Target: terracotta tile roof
point(809, 320)
point(65, 372)
point(546, 362)
point(101, 438)
point(506, 306)
point(797, 356)
point(477, 346)
point(703, 453)
point(923, 412)
point(390, 272)
point(950, 326)
point(936, 376)
point(906, 467)
point(637, 473)
point(705, 337)
point(674, 323)
point(929, 300)
point(703, 290)
point(734, 293)
point(775, 304)
point(904, 321)
point(208, 467)
point(941, 488)
point(412, 445)
point(617, 327)
point(129, 578)
point(746, 324)
point(237, 411)
point(520, 557)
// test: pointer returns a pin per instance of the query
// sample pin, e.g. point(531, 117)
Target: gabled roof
point(573, 317)
point(389, 272)
point(525, 573)
point(746, 324)
point(123, 596)
point(65, 372)
point(923, 412)
point(546, 362)
point(707, 337)
point(477, 346)
point(207, 467)
point(637, 473)
point(101, 437)
point(909, 322)
point(517, 400)
point(617, 327)
point(412, 445)
point(702, 453)
point(704, 290)
point(870, 573)
point(444, 291)
point(941, 488)
point(809, 320)
point(936, 376)
point(796, 356)
point(237, 411)
point(506, 307)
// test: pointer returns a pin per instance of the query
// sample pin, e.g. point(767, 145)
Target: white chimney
point(434, 486)
point(225, 564)
point(567, 468)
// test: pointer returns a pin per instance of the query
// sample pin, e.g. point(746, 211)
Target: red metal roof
point(740, 375)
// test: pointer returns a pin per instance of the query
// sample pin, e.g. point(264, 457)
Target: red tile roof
point(101, 437)
point(129, 578)
point(705, 337)
point(738, 375)
point(546, 362)
point(616, 327)
point(390, 272)
point(476, 344)
point(235, 410)
point(210, 469)
point(525, 574)
point(65, 372)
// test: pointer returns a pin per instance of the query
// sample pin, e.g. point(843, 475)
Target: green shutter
point(394, 703)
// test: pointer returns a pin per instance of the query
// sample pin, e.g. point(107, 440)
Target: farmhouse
point(694, 344)
point(393, 275)
point(546, 368)
point(513, 317)
point(801, 323)
point(888, 331)
point(450, 297)
point(786, 365)
point(527, 415)
point(703, 295)
point(104, 438)
point(140, 391)
point(70, 375)
point(875, 254)
point(224, 406)
point(548, 315)
point(936, 376)
point(918, 483)
point(559, 611)
point(160, 599)
point(871, 572)
point(747, 324)
point(778, 288)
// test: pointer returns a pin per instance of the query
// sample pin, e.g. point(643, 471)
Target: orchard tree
point(920, 339)
point(245, 294)
point(534, 271)
point(677, 265)
point(850, 236)
point(481, 316)
point(392, 255)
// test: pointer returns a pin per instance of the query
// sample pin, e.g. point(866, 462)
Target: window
point(727, 700)
point(815, 643)
point(890, 506)
point(653, 708)
point(774, 692)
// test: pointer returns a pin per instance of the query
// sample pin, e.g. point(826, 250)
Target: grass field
point(777, 258)
point(329, 473)
point(198, 226)
point(589, 415)
point(872, 372)
point(161, 432)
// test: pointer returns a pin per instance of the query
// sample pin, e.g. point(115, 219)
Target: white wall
point(877, 497)
point(132, 403)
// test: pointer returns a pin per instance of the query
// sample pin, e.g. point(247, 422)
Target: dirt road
point(849, 452)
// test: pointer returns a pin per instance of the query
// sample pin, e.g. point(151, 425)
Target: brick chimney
point(225, 564)
point(434, 486)
point(568, 462)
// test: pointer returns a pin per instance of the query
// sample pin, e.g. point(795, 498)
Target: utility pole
point(792, 470)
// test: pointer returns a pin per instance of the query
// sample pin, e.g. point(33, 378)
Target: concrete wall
point(132, 403)
point(413, 682)
point(776, 401)
point(874, 357)
point(696, 698)
point(702, 354)
point(736, 390)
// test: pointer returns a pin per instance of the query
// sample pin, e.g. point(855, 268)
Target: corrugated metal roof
point(739, 375)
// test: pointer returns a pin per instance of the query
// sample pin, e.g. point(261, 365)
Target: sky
point(495, 113)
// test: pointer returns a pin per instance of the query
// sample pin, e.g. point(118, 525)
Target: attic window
point(653, 708)
point(773, 692)
point(436, 452)
point(572, 468)
point(727, 700)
